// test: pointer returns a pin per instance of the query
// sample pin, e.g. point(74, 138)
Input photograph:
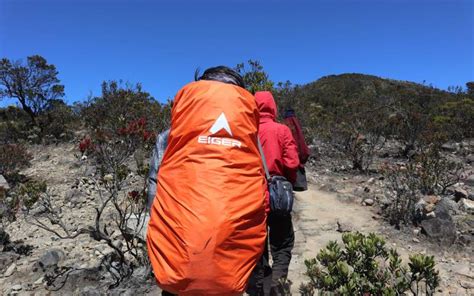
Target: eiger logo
point(221, 123)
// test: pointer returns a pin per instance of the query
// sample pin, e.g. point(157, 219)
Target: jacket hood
point(266, 104)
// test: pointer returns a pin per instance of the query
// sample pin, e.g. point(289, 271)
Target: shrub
point(121, 206)
point(58, 121)
point(119, 105)
point(455, 118)
point(14, 125)
point(13, 157)
point(31, 191)
point(428, 173)
point(22, 196)
point(364, 266)
point(436, 173)
point(401, 185)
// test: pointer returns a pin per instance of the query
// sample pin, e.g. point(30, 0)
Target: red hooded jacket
point(294, 124)
point(281, 152)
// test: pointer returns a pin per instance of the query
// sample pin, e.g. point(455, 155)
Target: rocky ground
point(337, 201)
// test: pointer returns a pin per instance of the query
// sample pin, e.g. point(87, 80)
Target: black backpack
point(280, 189)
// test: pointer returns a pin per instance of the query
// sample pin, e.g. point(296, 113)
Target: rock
point(416, 231)
point(450, 147)
point(470, 158)
point(90, 291)
point(469, 180)
point(467, 285)
point(4, 184)
point(440, 227)
point(10, 270)
point(416, 240)
point(429, 207)
point(431, 199)
point(39, 281)
point(7, 258)
point(71, 194)
point(89, 171)
point(108, 178)
point(450, 205)
point(463, 269)
point(465, 239)
point(344, 227)
point(51, 258)
point(371, 181)
point(368, 202)
point(75, 197)
point(17, 288)
point(460, 193)
point(467, 205)
point(441, 230)
point(420, 205)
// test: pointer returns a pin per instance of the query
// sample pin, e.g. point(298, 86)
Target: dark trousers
point(265, 280)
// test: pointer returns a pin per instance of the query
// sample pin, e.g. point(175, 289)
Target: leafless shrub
point(429, 173)
point(120, 208)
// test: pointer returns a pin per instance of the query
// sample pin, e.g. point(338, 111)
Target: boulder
point(451, 206)
point(440, 230)
point(470, 158)
point(431, 199)
point(467, 205)
point(7, 259)
point(469, 180)
point(440, 226)
point(4, 184)
point(17, 288)
point(51, 258)
point(75, 197)
point(464, 270)
point(450, 147)
point(344, 227)
point(10, 270)
point(429, 207)
point(368, 202)
point(90, 291)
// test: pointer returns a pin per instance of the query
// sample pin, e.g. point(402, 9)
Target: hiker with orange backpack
point(208, 222)
point(280, 154)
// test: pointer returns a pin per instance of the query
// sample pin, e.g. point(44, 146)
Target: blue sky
point(161, 43)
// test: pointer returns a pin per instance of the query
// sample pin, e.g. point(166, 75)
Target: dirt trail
point(315, 221)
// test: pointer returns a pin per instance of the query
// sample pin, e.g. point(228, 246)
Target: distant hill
point(354, 85)
point(351, 98)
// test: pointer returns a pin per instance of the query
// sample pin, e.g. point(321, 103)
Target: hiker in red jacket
point(281, 155)
point(303, 150)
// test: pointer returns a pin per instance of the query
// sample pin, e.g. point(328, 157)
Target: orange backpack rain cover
point(207, 227)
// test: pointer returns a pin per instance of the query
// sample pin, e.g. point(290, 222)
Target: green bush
point(364, 266)
point(119, 105)
point(58, 121)
point(31, 191)
point(14, 125)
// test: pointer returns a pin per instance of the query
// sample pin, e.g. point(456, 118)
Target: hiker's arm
point(155, 161)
